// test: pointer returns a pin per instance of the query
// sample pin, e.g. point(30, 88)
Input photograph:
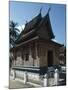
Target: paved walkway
point(15, 84)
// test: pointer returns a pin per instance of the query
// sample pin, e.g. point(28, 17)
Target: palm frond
point(13, 32)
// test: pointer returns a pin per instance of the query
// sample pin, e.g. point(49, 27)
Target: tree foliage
point(13, 32)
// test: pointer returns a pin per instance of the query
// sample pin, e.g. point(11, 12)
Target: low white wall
point(19, 74)
point(31, 76)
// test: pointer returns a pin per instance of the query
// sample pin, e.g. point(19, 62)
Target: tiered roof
point(31, 28)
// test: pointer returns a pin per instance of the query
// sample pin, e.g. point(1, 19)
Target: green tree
point(13, 32)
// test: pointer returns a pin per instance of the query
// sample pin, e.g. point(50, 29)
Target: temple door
point(50, 58)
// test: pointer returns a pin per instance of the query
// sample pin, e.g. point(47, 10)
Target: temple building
point(35, 50)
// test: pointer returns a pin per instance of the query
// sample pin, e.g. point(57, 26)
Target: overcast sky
point(21, 12)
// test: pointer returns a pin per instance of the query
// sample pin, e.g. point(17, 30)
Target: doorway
point(50, 58)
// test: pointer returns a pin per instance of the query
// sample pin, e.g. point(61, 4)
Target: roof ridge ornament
point(40, 10)
point(49, 10)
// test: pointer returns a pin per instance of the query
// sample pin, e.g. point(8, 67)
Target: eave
point(28, 41)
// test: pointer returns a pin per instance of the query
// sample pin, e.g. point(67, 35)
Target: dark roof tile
point(33, 23)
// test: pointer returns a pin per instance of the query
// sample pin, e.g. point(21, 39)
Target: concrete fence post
point(56, 77)
point(25, 77)
point(45, 80)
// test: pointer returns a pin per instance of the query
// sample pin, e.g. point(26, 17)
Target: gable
point(42, 32)
point(45, 29)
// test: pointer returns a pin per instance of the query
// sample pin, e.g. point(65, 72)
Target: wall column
point(22, 56)
point(45, 81)
point(14, 57)
point(25, 77)
point(14, 74)
point(56, 77)
point(37, 58)
point(30, 56)
point(36, 50)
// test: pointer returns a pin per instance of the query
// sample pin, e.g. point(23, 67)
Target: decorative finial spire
point(49, 9)
point(40, 9)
